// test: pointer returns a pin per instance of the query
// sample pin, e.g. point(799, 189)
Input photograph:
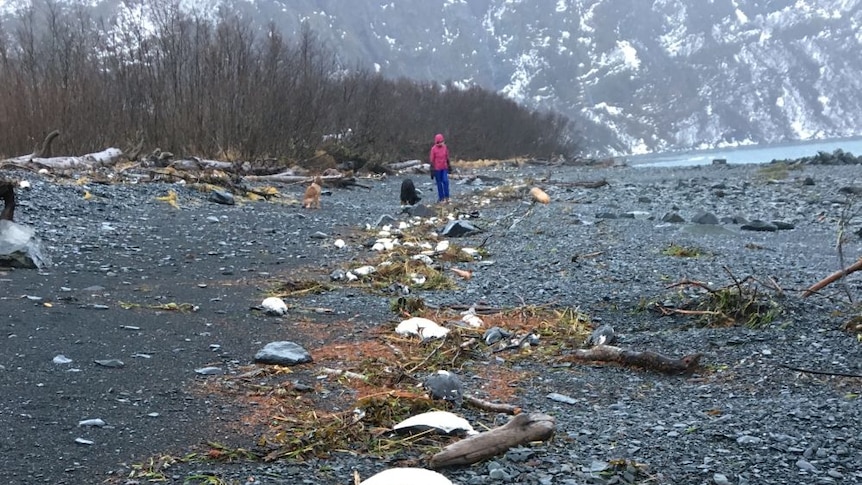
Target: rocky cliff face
point(636, 75)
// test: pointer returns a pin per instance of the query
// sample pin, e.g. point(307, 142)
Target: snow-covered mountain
point(636, 75)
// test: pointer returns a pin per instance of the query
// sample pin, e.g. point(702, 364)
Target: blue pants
point(442, 179)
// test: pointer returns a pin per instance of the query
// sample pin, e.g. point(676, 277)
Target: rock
point(851, 190)
point(222, 197)
point(444, 385)
point(459, 228)
point(93, 423)
point(385, 220)
point(209, 371)
point(282, 353)
point(604, 335)
point(672, 217)
point(419, 210)
point(494, 335)
point(61, 359)
point(705, 218)
point(720, 479)
point(20, 248)
point(274, 306)
point(561, 398)
point(760, 226)
point(783, 226)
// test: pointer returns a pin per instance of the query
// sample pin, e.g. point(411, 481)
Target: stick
point(832, 278)
point(492, 406)
point(820, 372)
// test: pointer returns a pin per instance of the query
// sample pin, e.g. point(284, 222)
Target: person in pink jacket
point(439, 159)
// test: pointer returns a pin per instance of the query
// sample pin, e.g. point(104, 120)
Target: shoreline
point(123, 247)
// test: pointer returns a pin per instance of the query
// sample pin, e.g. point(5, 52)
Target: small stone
point(748, 440)
point(282, 353)
point(209, 371)
point(112, 363)
point(561, 398)
point(720, 479)
point(96, 423)
point(222, 197)
point(62, 359)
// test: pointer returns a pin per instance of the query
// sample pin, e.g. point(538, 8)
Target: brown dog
point(312, 194)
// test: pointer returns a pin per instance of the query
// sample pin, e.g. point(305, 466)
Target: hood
point(438, 138)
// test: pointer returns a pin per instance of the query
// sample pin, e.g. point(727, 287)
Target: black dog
point(7, 193)
point(409, 195)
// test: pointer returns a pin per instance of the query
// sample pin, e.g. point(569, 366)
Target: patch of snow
point(629, 53)
point(611, 110)
point(561, 6)
point(527, 66)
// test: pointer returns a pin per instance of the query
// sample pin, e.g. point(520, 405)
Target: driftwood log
point(291, 178)
point(402, 165)
point(832, 278)
point(521, 429)
point(647, 360)
point(586, 184)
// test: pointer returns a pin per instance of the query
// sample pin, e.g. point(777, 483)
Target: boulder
point(20, 248)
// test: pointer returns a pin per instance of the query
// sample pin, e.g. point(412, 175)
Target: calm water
point(749, 154)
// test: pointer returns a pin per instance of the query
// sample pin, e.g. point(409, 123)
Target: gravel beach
point(143, 297)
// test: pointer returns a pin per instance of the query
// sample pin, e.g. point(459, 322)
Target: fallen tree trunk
point(647, 360)
point(289, 178)
point(104, 158)
point(521, 429)
point(832, 278)
point(584, 184)
point(403, 165)
point(201, 164)
point(286, 178)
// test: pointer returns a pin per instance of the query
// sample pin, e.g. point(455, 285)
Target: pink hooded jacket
point(439, 156)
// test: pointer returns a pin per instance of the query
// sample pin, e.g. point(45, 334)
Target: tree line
point(225, 88)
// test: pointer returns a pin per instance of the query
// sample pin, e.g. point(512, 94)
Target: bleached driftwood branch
point(521, 429)
point(403, 165)
point(40, 158)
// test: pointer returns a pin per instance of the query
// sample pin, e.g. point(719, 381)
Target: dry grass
point(373, 383)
